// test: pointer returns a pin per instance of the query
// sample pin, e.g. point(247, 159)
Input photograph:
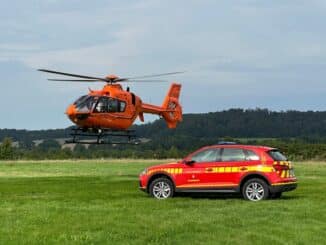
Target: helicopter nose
point(71, 110)
point(74, 115)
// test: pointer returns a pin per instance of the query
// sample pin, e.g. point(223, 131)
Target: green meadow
point(98, 202)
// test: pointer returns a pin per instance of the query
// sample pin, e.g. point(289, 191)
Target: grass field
point(98, 202)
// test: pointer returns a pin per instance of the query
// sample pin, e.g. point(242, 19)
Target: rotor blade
point(73, 75)
point(139, 81)
point(75, 80)
point(153, 75)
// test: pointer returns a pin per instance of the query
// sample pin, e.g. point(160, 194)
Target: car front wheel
point(255, 190)
point(161, 188)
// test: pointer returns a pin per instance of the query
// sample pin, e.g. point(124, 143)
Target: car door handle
point(243, 169)
point(209, 169)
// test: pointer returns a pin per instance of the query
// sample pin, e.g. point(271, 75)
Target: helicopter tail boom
point(171, 109)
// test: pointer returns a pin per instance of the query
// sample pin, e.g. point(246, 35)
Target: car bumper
point(282, 187)
point(142, 187)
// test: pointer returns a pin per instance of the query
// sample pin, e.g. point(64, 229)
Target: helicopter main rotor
point(108, 79)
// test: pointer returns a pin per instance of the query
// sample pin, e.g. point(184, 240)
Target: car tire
point(161, 188)
point(276, 195)
point(255, 190)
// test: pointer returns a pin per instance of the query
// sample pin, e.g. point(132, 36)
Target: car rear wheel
point(161, 188)
point(255, 190)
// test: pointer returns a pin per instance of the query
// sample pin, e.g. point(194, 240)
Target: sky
point(237, 54)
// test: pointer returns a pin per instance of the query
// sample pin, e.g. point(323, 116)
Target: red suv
point(257, 172)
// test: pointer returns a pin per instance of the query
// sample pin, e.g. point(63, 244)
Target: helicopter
point(108, 114)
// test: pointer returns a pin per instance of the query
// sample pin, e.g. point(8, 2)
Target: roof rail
point(226, 143)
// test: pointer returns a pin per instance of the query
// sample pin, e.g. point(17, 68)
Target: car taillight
point(283, 169)
point(278, 167)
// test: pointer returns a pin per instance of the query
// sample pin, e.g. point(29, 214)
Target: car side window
point(209, 155)
point(251, 156)
point(233, 154)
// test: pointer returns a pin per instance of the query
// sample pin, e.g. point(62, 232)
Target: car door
point(227, 170)
point(196, 172)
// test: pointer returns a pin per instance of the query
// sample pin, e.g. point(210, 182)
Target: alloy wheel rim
point(255, 191)
point(161, 190)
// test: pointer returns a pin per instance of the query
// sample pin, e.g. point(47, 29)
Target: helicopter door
point(102, 105)
point(133, 99)
point(111, 105)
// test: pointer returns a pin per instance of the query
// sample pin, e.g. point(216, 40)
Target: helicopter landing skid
point(102, 136)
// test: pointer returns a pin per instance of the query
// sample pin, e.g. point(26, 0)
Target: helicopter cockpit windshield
point(85, 103)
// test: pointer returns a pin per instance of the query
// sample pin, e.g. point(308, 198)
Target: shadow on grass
point(209, 195)
point(230, 196)
point(288, 198)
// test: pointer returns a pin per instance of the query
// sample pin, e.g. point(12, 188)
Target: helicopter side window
point(106, 104)
point(122, 106)
point(102, 105)
point(113, 105)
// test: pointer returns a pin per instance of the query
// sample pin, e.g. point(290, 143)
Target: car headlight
point(144, 172)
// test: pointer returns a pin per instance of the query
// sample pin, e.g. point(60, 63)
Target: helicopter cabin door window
point(102, 105)
point(106, 104)
point(122, 106)
point(113, 105)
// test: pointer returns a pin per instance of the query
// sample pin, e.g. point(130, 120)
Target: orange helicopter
point(110, 112)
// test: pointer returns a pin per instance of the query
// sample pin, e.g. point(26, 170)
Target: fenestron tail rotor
point(108, 79)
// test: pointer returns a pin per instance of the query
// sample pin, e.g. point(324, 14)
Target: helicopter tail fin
point(173, 110)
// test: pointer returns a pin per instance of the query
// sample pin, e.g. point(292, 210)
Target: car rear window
point(277, 155)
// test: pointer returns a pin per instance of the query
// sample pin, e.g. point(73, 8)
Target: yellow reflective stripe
point(228, 169)
point(168, 170)
point(205, 185)
point(260, 168)
point(235, 169)
point(286, 183)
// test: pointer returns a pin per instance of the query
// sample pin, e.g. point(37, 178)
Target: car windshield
point(277, 155)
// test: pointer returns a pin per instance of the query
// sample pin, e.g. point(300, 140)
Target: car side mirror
point(189, 162)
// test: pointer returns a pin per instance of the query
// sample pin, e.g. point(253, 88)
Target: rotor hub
point(111, 77)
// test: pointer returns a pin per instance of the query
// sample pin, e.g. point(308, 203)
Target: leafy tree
point(6, 149)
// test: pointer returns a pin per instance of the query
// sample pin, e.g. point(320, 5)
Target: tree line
point(301, 135)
